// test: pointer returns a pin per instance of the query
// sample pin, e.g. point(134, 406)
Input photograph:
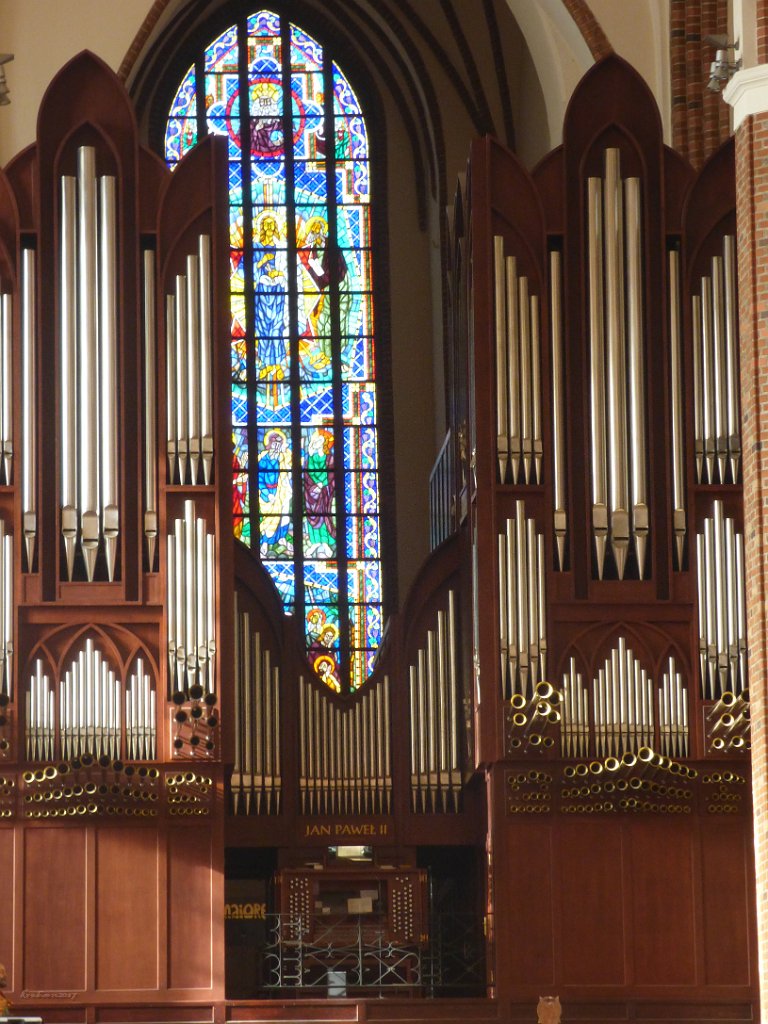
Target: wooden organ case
point(599, 474)
point(117, 588)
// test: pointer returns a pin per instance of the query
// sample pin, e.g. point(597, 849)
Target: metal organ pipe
point(502, 424)
point(6, 385)
point(722, 640)
point(676, 386)
point(522, 576)
point(68, 369)
point(558, 412)
point(189, 370)
point(715, 353)
point(191, 602)
point(28, 400)
point(107, 361)
point(256, 779)
point(616, 331)
point(150, 409)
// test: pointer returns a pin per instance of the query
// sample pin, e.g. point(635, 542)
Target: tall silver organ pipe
point(574, 708)
point(191, 603)
point(435, 767)
point(90, 712)
point(716, 386)
point(616, 332)
point(622, 704)
point(257, 775)
point(40, 716)
point(140, 715)
point(522, 603)
point(28, 402)
point(188, 370)
point(6, 611)
point(676, 419)
point(150, 409)
point(560, 515)
point(6, 385)
point(344, 751)
point(673, 713)
point(722, 611)
point(87, 344)
point(518, 372)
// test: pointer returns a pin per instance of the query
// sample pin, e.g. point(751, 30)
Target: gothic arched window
point(304, 413)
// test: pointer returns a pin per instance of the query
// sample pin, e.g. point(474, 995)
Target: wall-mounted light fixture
point(723, 67)
point(5, 58)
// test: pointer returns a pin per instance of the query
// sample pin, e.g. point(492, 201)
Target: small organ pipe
point(526, 362)
point(193, 364)
point(558, 412)
point(538, 447)
point(698, 388)
point(172, 426)
point(719, 369)
point(181, 395)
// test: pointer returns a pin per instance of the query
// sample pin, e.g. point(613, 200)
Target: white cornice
point(747, 93)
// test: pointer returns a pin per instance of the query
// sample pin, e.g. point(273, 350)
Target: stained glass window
point(304, 413)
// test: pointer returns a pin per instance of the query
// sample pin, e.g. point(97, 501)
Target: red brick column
point(752, 236)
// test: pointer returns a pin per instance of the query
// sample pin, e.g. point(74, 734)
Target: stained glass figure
point(302, 336)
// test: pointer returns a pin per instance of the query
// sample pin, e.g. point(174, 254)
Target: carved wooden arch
point(121, 647)
point(594, 644)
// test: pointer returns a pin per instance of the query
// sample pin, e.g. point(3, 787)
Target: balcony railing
point(442, 494)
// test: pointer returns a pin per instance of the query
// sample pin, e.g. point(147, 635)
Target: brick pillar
point(748, 93)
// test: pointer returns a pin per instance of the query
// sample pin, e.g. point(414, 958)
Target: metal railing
point(352, 956)
point(442, 494)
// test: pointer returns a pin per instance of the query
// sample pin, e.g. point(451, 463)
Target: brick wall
point(752, 231)
point(700, 121)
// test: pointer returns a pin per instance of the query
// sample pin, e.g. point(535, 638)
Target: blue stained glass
point(365, 625)
point(352, 184)
point(357, 358)
point(316, 404)
point(361, 493)
point(362, 537)
point(185, 101)
point(321, 580)
point(239, 405)
point(238, 360)
point(240, 495)
point(306, 53)
point(273, 403)
point(222, 53)
point(230, 129)
point(358, 402)
point(263, 23)
point(240, 449)
point(283, 576)
point(180, 137)
point(309, 176)
point(279, 441)
point(235, 182)
point(353, 226)
point(222, 96)
point(360, 448)
point(364, 581)
point(317, 445)
point(346, 111)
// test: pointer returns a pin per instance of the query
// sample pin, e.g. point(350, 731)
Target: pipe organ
point(559, 715)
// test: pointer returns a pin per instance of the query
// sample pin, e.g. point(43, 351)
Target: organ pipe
point(6, 612)
point(28, 403)
point(518, 372)
point(673, 713)
point(6, 385)
point(107, 365)
point(575, 714)
point(559, 514)
point(722, 640)
point(191, 603)
point(344, 751)
point(522, 597)
point(617, 384)
point(622, 704)
point(435, 768)
point(257, 777)
point(716, 387)
point(676, 419)
point(150, 409)
point(188, 370)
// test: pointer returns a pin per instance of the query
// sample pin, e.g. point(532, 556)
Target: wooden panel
point(592, 898)
point(8, 916)
point(190, 908)
point(660, 878)
point(127, 868)
point(54, 909)
point(727, 904)
point(524, 907)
